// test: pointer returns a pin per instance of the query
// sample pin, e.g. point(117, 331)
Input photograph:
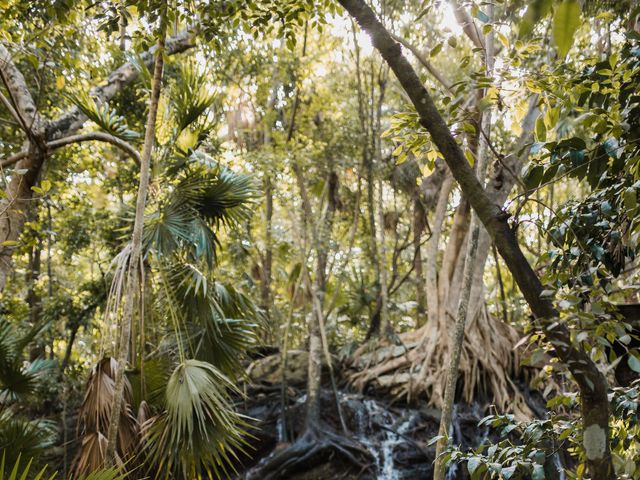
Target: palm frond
point(21, 473)
point(221, 323)
point(107, 474)
point(148, 385)
point(197, 436)
point(21, 436)
point(143, 71)
point(16, 380)
point(105, 117)
point(168, 227)
point(228, 197)
point(192, 95)
point(94, 416)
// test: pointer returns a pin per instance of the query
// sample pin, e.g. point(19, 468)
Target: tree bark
point(15, 204)
point(420, 282)
point(591, 382)
point(267, 267)
point(136, 243)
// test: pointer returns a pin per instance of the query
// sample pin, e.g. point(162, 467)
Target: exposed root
point(313, 447)
point(414, 369)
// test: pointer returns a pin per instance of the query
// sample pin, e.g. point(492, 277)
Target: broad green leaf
point(541, 129)
point(566, 21)
point(472, 464)
point(470, 158)
point(536, 10)
point(630, 199)
point(538, 472)
point(534, 177)
point(508, 472)
point(634, 363)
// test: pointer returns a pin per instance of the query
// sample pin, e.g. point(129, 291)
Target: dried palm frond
point(94, 416)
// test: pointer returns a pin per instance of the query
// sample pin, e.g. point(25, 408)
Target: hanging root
point(416, 368)
point(313, 448)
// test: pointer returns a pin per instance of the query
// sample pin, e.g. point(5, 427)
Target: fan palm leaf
point(220, 322)
point(17, 380)
point(200, 200)
point(21, 435)
point(197, 435)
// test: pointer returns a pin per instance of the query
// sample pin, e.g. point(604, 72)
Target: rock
point(268, 370)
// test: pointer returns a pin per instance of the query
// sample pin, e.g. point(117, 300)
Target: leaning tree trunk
point(591, 382)
point(136, 244)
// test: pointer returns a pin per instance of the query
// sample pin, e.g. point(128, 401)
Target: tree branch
point(423, 60)
point(82, 137)
point(72, 120)
point(23, 108)
point(468, 25)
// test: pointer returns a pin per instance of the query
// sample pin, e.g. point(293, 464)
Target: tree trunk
point(136, 243)
point(267, 266)
point(420, 282)
point(16, 202)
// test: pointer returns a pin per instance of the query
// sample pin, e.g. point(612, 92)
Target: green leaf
point(534, 177)
point(469, 156)
point(508, 472)
point(538, 472)
point(435, 50)
point(541, 129)
point(472, 464)
point(634, 363)
point(480, 15)
point(536, 10)
point(566, 21)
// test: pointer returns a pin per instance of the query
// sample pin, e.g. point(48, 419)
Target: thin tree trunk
point(267, 266)
point(433, 307)
point(136, 243)
point(379, 321)
point(420, 282)
point(384, 325)
point(33, 297)
point(469, 276)
point(591, 382)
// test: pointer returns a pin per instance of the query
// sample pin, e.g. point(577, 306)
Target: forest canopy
point(363, 239)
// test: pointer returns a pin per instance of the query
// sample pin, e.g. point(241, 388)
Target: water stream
point(381, 432)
